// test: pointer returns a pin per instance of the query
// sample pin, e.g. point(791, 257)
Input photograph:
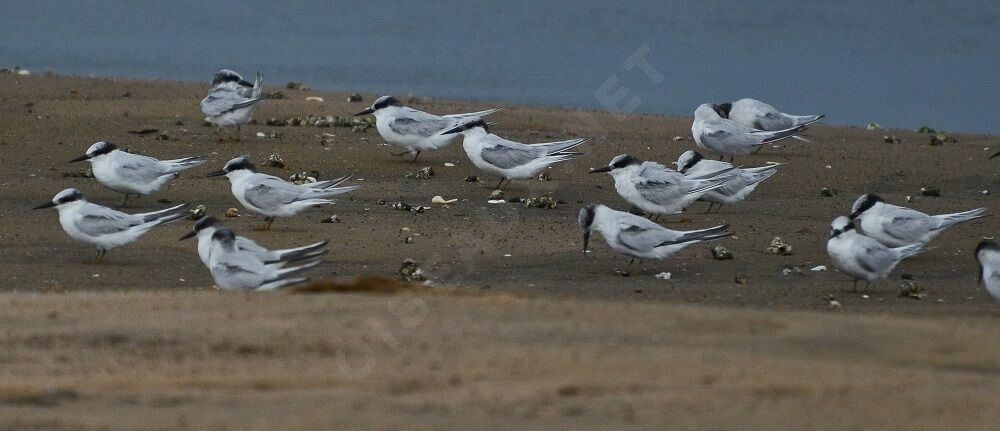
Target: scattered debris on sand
point(779, 247)
point(410, 271)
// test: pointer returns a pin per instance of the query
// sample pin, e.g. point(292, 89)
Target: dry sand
point(546, 337)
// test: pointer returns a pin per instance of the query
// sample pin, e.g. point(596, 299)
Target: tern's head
point(224, 236)
point(379, 104)
point(722, 109)
point(237, 164)
point(210, 223)
point(62, 198)
point(688, 160)
point(706, 111)
point(469, 123)
point(620, 161)
point(97, 150)
point(840, 225)
point(986, 250)
point(864, 203)
point(226, 75)
point(586, 221)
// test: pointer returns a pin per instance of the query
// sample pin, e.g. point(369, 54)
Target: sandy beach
point(517, 328)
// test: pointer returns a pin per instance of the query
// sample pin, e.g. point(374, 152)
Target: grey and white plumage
point(412, 129)
point(205, 227)
point(744, 181)
point(659, 190)
point(104, 227)
point(895, 226)
point(273, 197)
point(988, 257)
point(232, 101)
point(638, 237)
point(729, 138)
point(508, 159)
point(235, 269)
point(861, 256)
point(133, 173)
point(761, 116)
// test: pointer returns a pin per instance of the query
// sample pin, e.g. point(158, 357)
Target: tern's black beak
point(586, 239)
point(48, 204)
point(365, 112)
point(187, 235)
point(997, 154)
point(599, 170)
point(215, 174)
point(79, 159)
point(246, 84)
point(452, 130)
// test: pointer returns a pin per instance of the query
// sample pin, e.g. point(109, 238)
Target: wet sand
point(520, 328)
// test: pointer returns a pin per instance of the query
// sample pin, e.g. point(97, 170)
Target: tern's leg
point(656, 218)
point(499, 184)
point(100, 255)
point(270, 221)
point(415, 157)
point(758, 149)
point(239, 133)
point(630, 262)
point(124, 202)
point(710, 205)
point(855, 289)
point(731, 157)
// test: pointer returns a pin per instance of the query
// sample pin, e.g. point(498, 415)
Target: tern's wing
point(657, 184)
point(140, 169)
point(221, 100)
point(908, 225)
point(506, 154)
point(411, 122)
point(643, 237)
point(272, 192)
point(722, 133)
point(874, 256)
point(95, 220)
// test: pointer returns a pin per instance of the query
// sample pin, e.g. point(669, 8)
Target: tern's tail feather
point(301, 253)
point(178, 165)
point(551, 148)
point(155, 215)
point(762, 173)
point(473, 114)
point(286, 276)
point(328, 192)
point(258, 86)
point(252, 101)
point(949, 220)
point(711, 183)
point(700, 235)
point(776, 136)
point(805, 120)
point(908, 251)
point(278, 284)
point(327, 183)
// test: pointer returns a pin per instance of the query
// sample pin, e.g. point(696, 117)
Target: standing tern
point(659, 190)
point(638, 237)
point(274, 197)
point(509, 159)
point(205, 227)
point(895, 226)
point(746, 180)
point(727, 137)
point(412, 129)
point(131, 173)
point(862, 257)
point(232, 101)
point(103, 226)
point(988, 256)
point(235, 269)
point(761, 116)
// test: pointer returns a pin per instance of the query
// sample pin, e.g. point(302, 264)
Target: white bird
point(232, 101)
point(761, 116)
point(205, 227)
point(235, 269)
point(412, 129)
point(508, 159)
point(988, 256)
point(131, 173)
point(638, 237)
point(862, 257)
point(746, 180)
point(103, 226)
point(727, 137)
point(895, 226)
point(659, 190)
point(274, 197)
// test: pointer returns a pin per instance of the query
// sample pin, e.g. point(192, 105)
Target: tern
point(659, 190)
point(130, 173)
point(274, 197)
point(862, 257)
point(509, 159)
point(412, 129)
point(103, 226)
point(761, 116)
point(235, 269)
point(728, 138)
point(232, 101)
point(988, 256)
point(638, 237)
point(692, 163)
point(896, 226)
point(205, 227)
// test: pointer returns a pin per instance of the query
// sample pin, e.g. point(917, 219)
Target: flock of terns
point(890, 233)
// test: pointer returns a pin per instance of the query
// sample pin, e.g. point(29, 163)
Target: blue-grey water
point(898, 63)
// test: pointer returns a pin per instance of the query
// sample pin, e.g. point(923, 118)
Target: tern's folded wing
point(95, 220)
point(220, 101)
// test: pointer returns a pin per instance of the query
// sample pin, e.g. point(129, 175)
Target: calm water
point(901, 64)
